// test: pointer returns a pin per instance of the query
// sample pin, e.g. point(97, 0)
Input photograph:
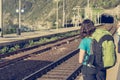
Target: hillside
point(39, 13)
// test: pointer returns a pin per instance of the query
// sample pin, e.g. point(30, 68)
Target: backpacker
point(103, 53)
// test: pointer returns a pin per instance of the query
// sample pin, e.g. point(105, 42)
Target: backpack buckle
point(90, 65)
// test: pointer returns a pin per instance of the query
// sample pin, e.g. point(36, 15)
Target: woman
point(89, 72)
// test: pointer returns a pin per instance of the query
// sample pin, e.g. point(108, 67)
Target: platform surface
point(26, 35)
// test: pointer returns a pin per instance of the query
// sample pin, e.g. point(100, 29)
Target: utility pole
point(78, 17)
point(87, 10)
point(88, 5)
point(19, 29)
point(66, 11)
point(57, 8)
point(1, 18)
point(78, 10)
point(98, 17)
point(63, 13)
point(57, 15)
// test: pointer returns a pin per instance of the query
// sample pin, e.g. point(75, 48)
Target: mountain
point(42, 13)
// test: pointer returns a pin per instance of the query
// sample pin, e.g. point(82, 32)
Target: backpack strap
point(91, 58)
point(106, 37)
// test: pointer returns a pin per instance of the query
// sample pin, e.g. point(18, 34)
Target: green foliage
point(17, 47)
point(31, 42)
point(107, 4)
point(12, 49)
point(45, 10)
point(4, 50)
point(53, 38)
point(41, 41)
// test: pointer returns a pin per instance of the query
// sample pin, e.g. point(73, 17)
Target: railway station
point(39, 39)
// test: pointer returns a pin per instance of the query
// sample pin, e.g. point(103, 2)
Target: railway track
point(20, 65)
point(30, 61)
point(26, 41)
point(56, 71)
point(32, 51)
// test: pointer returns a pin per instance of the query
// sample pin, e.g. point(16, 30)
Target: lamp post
point(1, 18)
point(19, 11)
point(19, 29)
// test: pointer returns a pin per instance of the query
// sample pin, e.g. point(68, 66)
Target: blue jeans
point(90, 73)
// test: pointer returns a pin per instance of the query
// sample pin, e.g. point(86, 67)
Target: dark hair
point(87, 28)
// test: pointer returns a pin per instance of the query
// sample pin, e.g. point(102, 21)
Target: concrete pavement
point(114, 72)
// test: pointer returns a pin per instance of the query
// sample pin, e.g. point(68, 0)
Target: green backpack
point(103, 52)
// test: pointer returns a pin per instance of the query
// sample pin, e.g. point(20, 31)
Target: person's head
point(87, 28)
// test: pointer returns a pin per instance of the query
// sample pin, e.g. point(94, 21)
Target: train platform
point(27, 35)
point(114, 73)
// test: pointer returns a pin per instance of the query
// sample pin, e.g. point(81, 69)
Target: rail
point(40, 72)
